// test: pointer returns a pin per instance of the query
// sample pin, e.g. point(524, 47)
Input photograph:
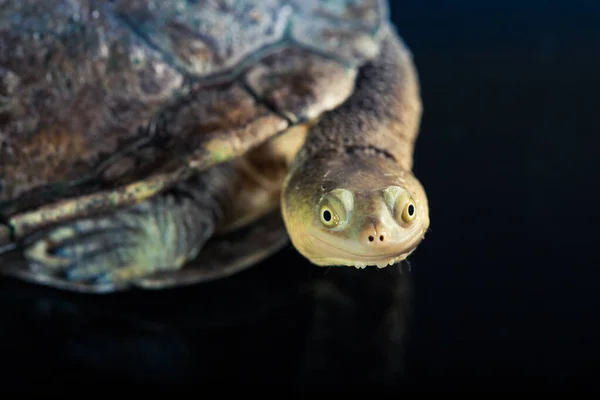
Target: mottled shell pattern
point(109, 102)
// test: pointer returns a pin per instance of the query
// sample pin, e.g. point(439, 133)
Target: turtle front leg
point(160, 234)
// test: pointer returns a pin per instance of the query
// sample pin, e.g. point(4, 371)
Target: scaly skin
point(350, 197)
point(161, 234)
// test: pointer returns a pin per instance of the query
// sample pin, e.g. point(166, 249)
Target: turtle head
point(354, 210)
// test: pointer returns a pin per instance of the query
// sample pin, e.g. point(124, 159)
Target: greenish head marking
point(354, 212)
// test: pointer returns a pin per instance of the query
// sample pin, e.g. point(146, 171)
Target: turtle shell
point(106, 103)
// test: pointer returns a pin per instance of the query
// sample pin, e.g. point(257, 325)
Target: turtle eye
point(329, 217)
point(401, 205)
point(335, 207)
point(409, 212)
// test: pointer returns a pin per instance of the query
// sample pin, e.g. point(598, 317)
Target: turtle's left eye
point(401, 204)
point(409, 212)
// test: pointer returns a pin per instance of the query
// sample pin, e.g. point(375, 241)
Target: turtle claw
point(91, 250)
point(123, 247)
point(41, 253)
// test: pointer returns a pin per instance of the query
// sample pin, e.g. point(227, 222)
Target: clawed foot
point(103, 250)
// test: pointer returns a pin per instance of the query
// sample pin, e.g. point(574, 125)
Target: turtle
point(151, 144)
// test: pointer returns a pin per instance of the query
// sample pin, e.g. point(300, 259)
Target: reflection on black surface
point(283, 322)
point(505, 284)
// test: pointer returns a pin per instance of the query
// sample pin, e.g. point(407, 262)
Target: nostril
point(372, 238)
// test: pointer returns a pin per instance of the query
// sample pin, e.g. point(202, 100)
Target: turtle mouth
point(324, 253)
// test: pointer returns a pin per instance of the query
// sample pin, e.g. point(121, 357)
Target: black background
point(503, 291)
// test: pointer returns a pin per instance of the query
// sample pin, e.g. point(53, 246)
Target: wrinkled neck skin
point(350, 197)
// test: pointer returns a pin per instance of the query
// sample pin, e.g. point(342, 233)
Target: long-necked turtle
point(137, 135)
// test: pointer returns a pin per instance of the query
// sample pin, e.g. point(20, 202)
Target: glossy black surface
point(504, 289)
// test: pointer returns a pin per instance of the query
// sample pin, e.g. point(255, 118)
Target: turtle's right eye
point(335, 208)
point(329, 217)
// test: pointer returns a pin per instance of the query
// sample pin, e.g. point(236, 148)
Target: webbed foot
point(124, 246)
